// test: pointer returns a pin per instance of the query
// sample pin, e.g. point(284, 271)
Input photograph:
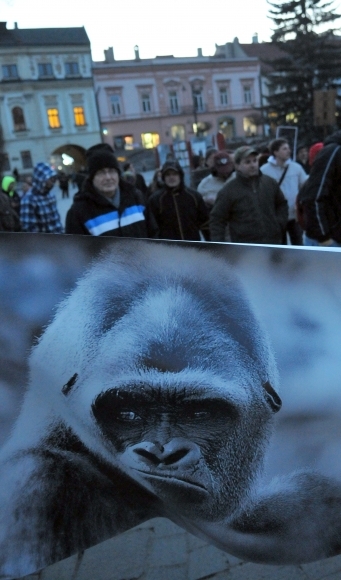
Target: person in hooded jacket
point(321, 196)
point(106, 205)
point(8, 188)
point(179, 212)
point(38, 208)
point(290, 176)
point(9, 219)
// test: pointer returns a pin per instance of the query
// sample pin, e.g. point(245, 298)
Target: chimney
point(16, 26)
point(137, 52)
point(199, 52)
point(109, 54)
point(3, 26)
point(255, 38)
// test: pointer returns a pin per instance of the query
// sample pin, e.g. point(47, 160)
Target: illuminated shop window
point(178, 132)
point(124, 142)
point(150, 140)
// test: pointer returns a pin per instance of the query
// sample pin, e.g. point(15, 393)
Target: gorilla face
point(197, 451)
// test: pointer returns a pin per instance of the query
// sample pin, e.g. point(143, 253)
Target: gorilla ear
point(68, 386)
point(271, 397)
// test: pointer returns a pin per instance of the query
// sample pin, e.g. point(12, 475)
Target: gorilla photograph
point(144, 379)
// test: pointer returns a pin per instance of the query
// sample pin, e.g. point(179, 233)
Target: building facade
point(48, 109)
point(144, 102)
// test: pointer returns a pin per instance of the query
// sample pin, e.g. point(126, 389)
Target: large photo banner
point(191, 381)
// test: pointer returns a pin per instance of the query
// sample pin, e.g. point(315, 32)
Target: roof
point(42, 36)
point(265, 51)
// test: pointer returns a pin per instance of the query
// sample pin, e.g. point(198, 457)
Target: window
point(198, 100)
point(45, 70)
point(249, 126)
point(115, 104)
point(173, 102)
point(79, 116)
point(178, 132)
point(150, 140)
point(4, 162)
point(18, 119)
point(223, 96)
point(53, 118)
point(146, 106)
point(72, 69)
point(247, 91)
point(226, 127)
point(9, 72)
point(26, 159)
point(124, 142)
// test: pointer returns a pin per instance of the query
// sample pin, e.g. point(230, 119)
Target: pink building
point(144, 102)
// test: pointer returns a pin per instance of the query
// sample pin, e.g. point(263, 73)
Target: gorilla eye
point(128, 416)
point(200, 414)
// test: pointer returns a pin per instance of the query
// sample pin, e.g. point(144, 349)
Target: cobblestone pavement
point(160, 550)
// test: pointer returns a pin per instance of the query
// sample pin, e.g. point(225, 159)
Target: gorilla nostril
point(175, 457)
point(147, 456)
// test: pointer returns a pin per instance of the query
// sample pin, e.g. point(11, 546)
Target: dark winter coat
point(9, 219)
point(93, 213)
point(320, 197)
point(255, 210)
point(180, 214)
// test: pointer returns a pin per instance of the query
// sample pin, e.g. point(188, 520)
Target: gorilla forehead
point(149, 305)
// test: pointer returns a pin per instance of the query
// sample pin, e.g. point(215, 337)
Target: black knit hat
point(97, 148)
point(172, 165)
point(102, 159)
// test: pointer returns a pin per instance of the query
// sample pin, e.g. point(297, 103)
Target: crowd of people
point(242, 196)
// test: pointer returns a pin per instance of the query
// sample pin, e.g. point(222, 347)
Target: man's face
point(248, 166)
point(106, 181)
point(49, 183)
point(303, 154)
point(283, 153)
point(172, 178)
point(210, 159)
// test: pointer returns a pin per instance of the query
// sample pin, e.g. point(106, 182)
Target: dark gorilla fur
point(152, 393)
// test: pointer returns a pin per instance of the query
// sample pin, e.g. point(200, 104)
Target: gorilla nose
point(174, 454)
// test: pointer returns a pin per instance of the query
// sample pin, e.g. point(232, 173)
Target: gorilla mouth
point(174, 480)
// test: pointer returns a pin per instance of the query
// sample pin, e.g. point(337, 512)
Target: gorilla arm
point(57, 499)
point(296, 519)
